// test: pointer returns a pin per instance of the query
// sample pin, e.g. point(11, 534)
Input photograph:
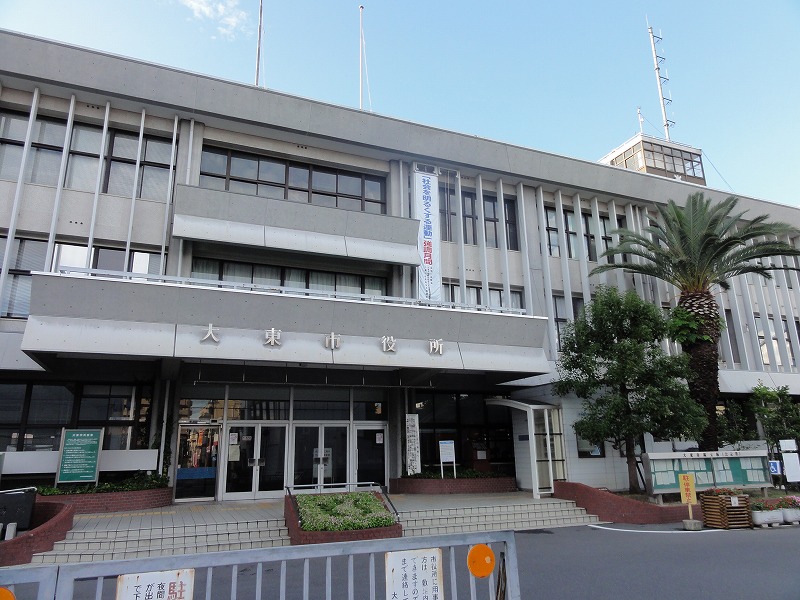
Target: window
point(152, 179)
point(448, 218)
point(481, 433)
point(767, 337)
point(12, 139)
point(267, 275)
point(512, 235)
point(112, 259)
point(84, 157)
point(470, 218)
point(560, 314)
point(26, 256)
point(586, 449)
point(270, 177)
point(452, 293)
point(491, 220)
point(551, 227)
point(44, 157)
point(572, 234)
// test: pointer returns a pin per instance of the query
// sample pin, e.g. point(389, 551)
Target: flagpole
point(360, 56)
point(258, 47)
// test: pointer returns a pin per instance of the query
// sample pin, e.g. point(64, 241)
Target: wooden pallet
point(719, 512)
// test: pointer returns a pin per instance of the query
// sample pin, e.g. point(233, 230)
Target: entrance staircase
point(488, 516)
point(215, 527)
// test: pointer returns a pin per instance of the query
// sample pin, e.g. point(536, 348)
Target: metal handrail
point(283, 290)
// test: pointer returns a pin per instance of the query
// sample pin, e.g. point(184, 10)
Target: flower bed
point(349, 521)
point(114, 501)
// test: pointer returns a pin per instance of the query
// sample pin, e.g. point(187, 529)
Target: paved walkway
point(200, 513)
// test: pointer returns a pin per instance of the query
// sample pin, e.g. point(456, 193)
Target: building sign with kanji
point(414, 575)
point(156, 585)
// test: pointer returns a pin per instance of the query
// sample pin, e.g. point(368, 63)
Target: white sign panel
point(426, 201)
point(413, 460)
point(791, 466)
point(156, 585)
point(447, 451)
point(414, 575)
point(788, 445)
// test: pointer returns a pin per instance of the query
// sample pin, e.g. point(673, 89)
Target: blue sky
point(562, 77)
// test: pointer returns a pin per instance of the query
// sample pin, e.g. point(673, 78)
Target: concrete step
point(86, 555)
point(517, 517)
point(89, 545)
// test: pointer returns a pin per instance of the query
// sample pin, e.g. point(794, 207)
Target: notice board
point(79, 455)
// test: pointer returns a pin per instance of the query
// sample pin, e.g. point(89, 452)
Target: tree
point(696, 247)
point(778, 413)
point(611, 357)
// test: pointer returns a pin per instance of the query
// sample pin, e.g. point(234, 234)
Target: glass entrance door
point(320, 455)
point(256, 455)
point(371, 455)
point(196, 474)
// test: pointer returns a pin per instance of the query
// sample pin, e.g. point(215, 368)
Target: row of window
point(119, 152)
point(589, 233)
point(661, 157)
point(32, 415)
point(469, 226)
point(30, 255)
point(268, 275)
point(244, 173)
point(497, 298)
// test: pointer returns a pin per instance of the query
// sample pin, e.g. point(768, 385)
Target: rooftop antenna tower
point(258, 45)
point(660, 80)
point(360, 57)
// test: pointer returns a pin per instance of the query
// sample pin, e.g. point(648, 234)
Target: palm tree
point(696, 247)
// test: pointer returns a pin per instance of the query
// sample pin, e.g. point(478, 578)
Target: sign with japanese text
point(426, 202)
point(79, 455)
point(447, 454)
point(413, 460)
point(414, 575)
point(686, 481)
point(156, 585)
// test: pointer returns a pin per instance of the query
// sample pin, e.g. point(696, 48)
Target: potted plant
point(790, 508)
point(766, 512)
point(725, 508)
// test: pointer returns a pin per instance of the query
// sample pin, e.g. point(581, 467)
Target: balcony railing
point(283, 290)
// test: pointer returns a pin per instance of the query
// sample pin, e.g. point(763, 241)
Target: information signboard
point(79, 455)
point(414, 574)
point(169, 585)
point(447, 454)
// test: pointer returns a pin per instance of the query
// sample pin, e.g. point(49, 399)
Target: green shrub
point(342, 512)
point(140, 481)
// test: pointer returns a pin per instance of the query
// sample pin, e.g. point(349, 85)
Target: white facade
point(272, 334)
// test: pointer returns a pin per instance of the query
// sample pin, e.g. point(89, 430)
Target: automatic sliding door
point(242, 460)
point(272, 455)
point(320, 455)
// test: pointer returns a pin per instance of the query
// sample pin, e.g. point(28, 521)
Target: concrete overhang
point(241, 219)
point(80, 317)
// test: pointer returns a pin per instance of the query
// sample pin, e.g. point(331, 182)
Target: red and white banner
point(426, 202)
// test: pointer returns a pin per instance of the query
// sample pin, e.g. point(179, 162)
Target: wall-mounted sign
point(79, 455)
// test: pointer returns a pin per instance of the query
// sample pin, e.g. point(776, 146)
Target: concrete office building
point(257, 289)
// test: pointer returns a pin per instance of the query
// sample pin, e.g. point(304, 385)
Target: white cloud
point(227, 15)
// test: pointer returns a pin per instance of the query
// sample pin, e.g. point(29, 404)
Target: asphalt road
point(620, 562)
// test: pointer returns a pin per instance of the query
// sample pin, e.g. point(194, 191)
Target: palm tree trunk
point(704, 387)
point(704, 360)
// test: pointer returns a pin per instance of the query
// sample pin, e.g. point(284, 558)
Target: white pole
point(258, 47)
point(658, 82)
point(360, 55)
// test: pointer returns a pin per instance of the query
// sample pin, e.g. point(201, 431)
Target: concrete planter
point(767, 517)
point(791, 515)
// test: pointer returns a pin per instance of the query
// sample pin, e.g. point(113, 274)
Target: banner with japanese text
point(426, 201)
